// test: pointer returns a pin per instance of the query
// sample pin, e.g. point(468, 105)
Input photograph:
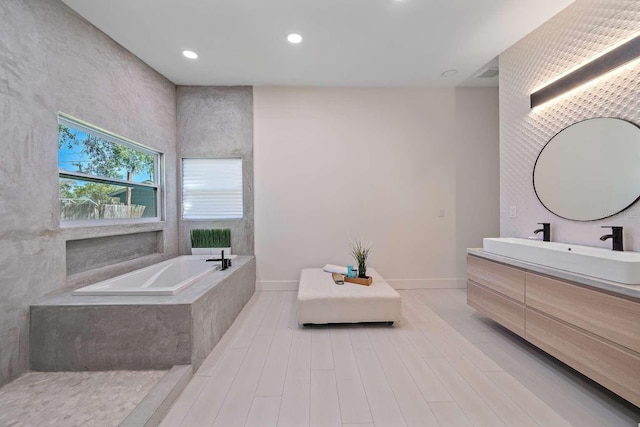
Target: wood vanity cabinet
point(497, 291)
point(594, 331)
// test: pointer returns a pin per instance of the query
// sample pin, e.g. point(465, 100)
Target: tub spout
point(225, 263)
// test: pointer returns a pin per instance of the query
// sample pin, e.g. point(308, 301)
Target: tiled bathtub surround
point(570, 39)
point(77, 333)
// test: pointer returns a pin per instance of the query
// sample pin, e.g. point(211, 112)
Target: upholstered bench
point(320, 300)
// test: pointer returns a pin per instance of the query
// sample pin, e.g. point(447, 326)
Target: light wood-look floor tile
point(264, 412)
point(209, 364)
point(321, 352)
point(414, 408)
point(275, 368)
point(209, 401)
point(354, 407)
point(418, 338)
point(446, 339)
point(236, 406)
point(271, 318)
point(529, 402)
point(294, 409)
point(430, 386)
point(444, 364)
point(250, 328)
point(382, 401)
point(359, 338)
point(449, 414)
point(184, 403)
point(574, 397)
point(474, 407)
point(324, 407)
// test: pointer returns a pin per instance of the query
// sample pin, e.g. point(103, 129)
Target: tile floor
point(67, 399)
point(443, 365)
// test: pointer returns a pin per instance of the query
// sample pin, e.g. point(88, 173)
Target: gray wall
point(52, 60)
point(218, 122)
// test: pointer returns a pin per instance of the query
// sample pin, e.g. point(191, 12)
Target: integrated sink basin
point(621, 267)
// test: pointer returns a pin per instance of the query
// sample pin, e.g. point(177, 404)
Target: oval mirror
point(590, 170)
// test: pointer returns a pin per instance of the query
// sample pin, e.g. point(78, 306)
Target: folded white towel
point(330, 268)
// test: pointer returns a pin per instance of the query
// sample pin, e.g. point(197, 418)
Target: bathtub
point(165, 278)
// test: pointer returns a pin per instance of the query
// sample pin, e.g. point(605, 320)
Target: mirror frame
point(533, 180)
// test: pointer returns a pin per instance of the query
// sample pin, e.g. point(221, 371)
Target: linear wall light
point(617, 57)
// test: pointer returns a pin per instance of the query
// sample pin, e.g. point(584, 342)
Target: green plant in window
point(211, 238)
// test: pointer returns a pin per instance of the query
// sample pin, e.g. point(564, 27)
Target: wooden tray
point(359, 280)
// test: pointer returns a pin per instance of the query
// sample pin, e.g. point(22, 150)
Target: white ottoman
point(320, 300)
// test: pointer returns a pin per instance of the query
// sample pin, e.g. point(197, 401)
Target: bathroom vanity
point(592, 325)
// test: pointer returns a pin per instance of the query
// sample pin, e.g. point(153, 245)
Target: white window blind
point(211, 188)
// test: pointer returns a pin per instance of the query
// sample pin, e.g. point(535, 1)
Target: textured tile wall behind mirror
point(571, 38)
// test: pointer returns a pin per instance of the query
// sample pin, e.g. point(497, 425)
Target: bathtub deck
point(186, 296)
point(78, 333)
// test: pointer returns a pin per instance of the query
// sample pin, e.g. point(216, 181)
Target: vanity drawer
point(614, 318)
point(498, 277)
point(616, 369)
point(503, 310)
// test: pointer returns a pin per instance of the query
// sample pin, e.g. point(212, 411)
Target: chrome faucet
point(546, 231)
point(616, 235)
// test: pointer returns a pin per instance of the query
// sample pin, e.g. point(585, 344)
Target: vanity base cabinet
point(615, 368)
point(595, 332)
point(504, 280)
point(508, 313)
point(614, 318)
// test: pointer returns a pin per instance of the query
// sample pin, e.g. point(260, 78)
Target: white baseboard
point(292, 285)
point(277, 285)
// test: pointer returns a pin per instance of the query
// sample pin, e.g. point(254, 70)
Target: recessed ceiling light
point(190, 54)
point(449, 73)
point(294, 38)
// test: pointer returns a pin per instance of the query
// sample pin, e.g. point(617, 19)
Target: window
point(212, 188)
point(103, 176)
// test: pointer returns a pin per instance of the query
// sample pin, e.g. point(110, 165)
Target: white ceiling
point(346, 42)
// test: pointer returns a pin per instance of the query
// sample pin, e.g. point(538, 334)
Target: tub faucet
point(546, 231)
point(616, 235)
point(226, 263)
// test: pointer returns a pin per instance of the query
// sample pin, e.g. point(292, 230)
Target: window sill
point(75, 230)
point(211, 219)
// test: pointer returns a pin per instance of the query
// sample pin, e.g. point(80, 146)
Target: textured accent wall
point(577, 34)
point(53, 60)
point(217, 122)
